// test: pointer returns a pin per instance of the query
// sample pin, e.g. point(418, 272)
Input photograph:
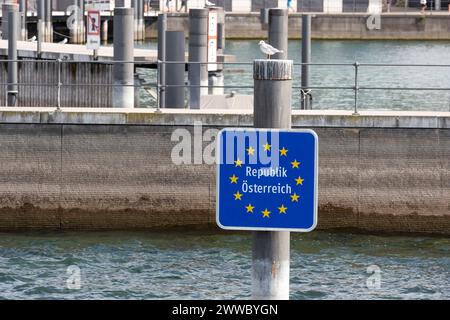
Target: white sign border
point(316, 179)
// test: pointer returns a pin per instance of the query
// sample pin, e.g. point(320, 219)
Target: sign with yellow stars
point(267, 180)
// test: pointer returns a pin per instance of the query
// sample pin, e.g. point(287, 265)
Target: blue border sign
point(267, 180)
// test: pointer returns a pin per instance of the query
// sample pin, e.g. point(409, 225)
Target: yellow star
point(266, 213)
point(234, 179)
point(282, 209)
point(295, 164)
point(249, 208)
point(237, 196)
point(238, 163)
point(283, 152)
point(250, 151)
point(295, 197)
point(267, 147)
point(299, 180)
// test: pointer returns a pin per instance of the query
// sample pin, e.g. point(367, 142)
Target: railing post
point(59, 84)
point(13, 36)
point(162, 28)
point(306, 59)
point(356, 88)
point(158, 86)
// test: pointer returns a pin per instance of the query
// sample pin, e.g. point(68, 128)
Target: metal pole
point(5, 10)
point(306, 58)
point(278, 32)
point(23, 21)
point(356, 88)
point(162, 28)
point(437, 5)
point(141, 22)
point(175, 72)
point(58, 106)
point(198, 52)
point(13, 37)
point(123, 73)
point(48, 21)
point(272, 109)
point(40, 24)
point(105, 30)
point(135, 6)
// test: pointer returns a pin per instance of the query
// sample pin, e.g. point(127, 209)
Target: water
point(385, 52)
point(204, 265)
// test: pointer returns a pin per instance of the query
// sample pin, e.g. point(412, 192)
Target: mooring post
point(48, 21)
point(437, 5)
point(175, 71)
point(306, 101)
point(216, 79)
point(272, 109)
point(198, 54)
point(13, 37)
point(5, 13)
point(40, 25)
point(141, 23)
point(278, 32)
point(23, 20)
point(264, 18)
point(162, 28)
point(221, 30)
point(77, 32)
point(105, 30)
point(123, 69)
point(135, 6)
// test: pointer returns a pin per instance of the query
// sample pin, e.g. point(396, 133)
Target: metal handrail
point(161, 87)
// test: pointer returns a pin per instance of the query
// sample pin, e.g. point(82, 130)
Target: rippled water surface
point(340, 51)
point(201, 265)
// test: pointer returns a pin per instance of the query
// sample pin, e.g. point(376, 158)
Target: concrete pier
point(110, 169)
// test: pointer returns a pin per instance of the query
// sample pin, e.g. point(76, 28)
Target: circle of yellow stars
point(249, 207)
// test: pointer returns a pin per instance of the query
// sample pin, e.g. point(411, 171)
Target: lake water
point(212, 265)
point(381, 52)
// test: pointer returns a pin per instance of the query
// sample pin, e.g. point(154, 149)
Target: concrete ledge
point(216, 117)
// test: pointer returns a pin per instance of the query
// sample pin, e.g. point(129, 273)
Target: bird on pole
point(268, 49)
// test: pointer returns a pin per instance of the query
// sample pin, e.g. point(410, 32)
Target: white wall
point(332, 6)
point(375, 6)
point(241, 5)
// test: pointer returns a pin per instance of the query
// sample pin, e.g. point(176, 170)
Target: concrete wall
point(108, 169)
point(332, 26)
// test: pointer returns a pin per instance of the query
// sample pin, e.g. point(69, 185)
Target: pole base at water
point(272, 109)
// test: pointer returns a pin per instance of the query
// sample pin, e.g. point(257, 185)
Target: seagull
point(268, 49)
point(63, 41)
point(32, 39)
point(209, 4)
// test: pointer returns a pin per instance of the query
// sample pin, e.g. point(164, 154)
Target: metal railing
point(160, 87)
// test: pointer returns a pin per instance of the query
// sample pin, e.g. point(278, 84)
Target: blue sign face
point(267, 180)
